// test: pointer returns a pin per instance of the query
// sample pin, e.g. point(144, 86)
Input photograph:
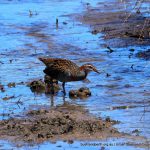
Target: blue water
point(25, 37)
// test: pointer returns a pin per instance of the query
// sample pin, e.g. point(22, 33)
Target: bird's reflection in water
point(52, 100)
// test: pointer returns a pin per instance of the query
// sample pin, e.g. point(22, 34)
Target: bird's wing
point(47, 61)
point(53, 72)
point(62, 65)
point(57, 69)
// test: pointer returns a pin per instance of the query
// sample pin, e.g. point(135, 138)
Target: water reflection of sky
point(125, 87)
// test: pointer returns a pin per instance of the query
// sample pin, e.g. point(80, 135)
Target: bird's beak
point(95, 70)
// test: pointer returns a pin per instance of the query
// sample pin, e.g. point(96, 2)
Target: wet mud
point(119, 28)
point(81, 93)
point(51, 86)
point(111, 37)
point(66, 122)
point(37, 86)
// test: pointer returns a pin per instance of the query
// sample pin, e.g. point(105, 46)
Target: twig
point(145, 22)
point(136, 4)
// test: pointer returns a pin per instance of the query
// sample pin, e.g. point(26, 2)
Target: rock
point(85, 90)
point(37, 86)
point(55, 124)
point(81, 93)
point(45, 86)
point(73, 93)
point(144, 54)
point(95, 32)
point(11, 84)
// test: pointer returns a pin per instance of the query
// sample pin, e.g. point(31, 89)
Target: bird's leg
point(52, 86)
point(63, 85)
point(52, 100)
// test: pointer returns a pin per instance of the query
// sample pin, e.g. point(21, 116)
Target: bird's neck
point(82, 73)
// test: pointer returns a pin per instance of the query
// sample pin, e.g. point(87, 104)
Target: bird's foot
point(64, 93)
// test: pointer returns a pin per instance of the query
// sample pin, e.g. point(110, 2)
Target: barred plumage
point(65, 70)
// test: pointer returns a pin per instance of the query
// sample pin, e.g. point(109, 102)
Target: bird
point(65, 70)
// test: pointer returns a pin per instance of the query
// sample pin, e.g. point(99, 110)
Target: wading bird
point(65, 70)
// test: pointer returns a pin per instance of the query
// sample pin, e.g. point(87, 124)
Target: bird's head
point(88, 68)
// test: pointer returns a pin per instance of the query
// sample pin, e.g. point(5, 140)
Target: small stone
point(73, 93)
point(81, 94)
point(65, 23)
point(11, 84)
point(95, 32)
point(132, 50)
point(37, 86)
point(85, 91)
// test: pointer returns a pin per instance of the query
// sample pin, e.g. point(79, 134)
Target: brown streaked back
point(60, 69)
point(46, 61)
point(57, 62)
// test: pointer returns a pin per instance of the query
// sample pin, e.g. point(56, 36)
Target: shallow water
point(25, 37)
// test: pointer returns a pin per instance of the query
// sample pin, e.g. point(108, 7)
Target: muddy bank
point(118, 27)
point(66, 122)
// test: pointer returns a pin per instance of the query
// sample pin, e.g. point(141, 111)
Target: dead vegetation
point(120, 27)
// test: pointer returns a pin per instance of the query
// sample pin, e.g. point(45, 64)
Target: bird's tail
point(45, 60)
point(41, 58)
